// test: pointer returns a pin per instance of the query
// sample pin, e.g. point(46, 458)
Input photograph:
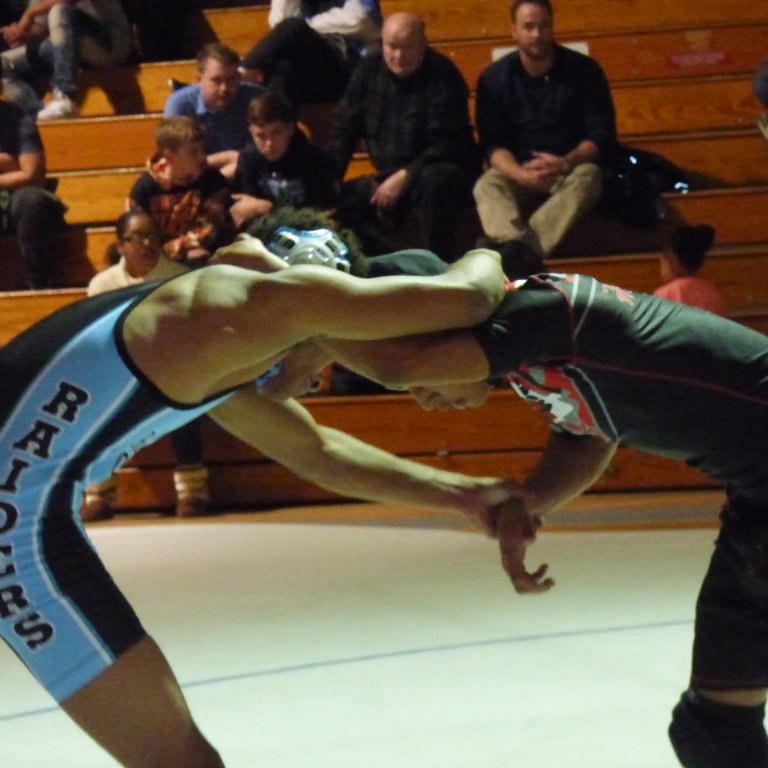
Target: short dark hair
point(690, 244)
point(270, 107)
point(515, 6)
point(219, 52)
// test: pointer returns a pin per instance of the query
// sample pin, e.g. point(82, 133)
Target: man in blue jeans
point(96, 32)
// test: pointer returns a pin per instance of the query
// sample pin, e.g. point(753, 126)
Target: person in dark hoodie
point(282, 168)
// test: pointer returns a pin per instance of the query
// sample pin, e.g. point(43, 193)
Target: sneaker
point(518, 258)
point(175, 85)
point(192, 506)
point(96, 509)
point(762, 124)
point(59, 107)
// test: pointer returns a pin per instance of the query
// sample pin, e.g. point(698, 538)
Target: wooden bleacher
point(680, 75)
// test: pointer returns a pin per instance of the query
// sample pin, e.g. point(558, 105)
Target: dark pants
point(731, 640)
point(438, 196)
point(300, 63)
point(35, 215)
point(760, 83)
point(157, 23)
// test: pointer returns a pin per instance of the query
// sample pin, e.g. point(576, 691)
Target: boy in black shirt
point(282, 168)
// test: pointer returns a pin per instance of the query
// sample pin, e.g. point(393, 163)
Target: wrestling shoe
point(58, 108)
point(702, 738)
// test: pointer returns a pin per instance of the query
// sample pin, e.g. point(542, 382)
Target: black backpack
point(633, 183)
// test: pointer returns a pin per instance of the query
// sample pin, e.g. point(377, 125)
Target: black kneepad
point(705, 734)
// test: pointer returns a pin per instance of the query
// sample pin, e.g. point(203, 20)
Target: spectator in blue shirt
point(219, 101)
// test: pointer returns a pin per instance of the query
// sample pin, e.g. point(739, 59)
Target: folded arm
point(333, 304)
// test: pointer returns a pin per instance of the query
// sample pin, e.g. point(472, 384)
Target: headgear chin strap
point(321, 247)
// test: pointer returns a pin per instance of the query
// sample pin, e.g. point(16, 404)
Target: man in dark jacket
point(282, 167)
point(544, 118)
point(409, 105)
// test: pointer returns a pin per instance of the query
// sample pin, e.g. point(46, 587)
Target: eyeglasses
point(139, 238)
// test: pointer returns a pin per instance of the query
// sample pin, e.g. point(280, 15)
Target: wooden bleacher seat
point(625, 56)
point(732, 267)
point(666, 107)
point(502, 438)
point(681, 77)
point(241, 27)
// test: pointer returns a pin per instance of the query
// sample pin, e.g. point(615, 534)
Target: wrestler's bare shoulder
point(218, 325)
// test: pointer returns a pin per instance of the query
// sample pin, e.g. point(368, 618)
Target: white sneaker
point(762, 124)
point(58, 107)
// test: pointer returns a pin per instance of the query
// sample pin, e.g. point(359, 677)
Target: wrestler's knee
point(709, 735)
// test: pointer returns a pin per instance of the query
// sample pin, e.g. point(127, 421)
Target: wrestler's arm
point(321, 302)
point(447, 357)
point(287, 433)
point(567, 467)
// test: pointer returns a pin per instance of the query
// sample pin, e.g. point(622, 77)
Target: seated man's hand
point(390, 190)
point(246, 207)
point(516, 529)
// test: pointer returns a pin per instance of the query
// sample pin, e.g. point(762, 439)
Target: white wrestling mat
point(310, 646)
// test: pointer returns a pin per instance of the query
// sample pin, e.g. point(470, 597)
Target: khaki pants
point(503, 207)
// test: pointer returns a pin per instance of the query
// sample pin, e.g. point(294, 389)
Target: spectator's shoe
point(191, 484)
point(518, 258)
point(175, 85)
point(192, 506)
point(762, 124)
point(58, 108)
point(96, 509)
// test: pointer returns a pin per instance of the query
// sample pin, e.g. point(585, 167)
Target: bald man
point(409, 104)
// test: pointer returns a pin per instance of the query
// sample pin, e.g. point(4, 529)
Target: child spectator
point(141, 259)
point(187, 200)
point(282, 167)
point(683, 256)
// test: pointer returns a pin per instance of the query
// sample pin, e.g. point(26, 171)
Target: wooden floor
point(593, 511)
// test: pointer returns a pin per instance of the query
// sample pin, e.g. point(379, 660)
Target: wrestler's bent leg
point(136, 711)
point(718, 723)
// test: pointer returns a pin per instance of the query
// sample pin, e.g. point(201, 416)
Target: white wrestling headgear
point(321, 247)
